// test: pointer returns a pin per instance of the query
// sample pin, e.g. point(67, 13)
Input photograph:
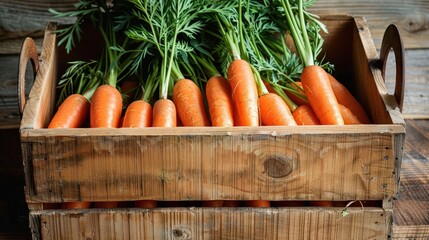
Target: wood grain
point(206, 164)
point(413, 204)
point(412, 17)
point(213, 223)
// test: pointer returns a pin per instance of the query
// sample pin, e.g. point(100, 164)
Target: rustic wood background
point(19, 19)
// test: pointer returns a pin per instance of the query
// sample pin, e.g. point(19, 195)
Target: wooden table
point(411, 209)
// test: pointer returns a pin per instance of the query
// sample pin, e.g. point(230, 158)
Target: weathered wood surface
point(412, 17)
point(236, 163)
point(214, 223)
point(411, 209)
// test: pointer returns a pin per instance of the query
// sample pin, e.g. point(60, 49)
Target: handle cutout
point(392, 41)
point(28, 55)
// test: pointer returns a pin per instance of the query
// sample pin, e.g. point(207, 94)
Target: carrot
point(146, 204)
point(72, 113)
point(304, 115)
point(217, 91)
point(273, 108)
point(274, 111)
point(244, 92)
point(212, 203)
point(321, 97)
point(345, 98)
point(218, 94)
point(297, 86)
point(270, 88)
point(138, 114)
point(315, 81)
point(258, 203)
point(322, 203)
point(76, 205)
point(106, 107)
point(105, 204)
point(129, 88)
point(164, 113)
point(290, 203)
point(348, 116)
point(189, 103)
point(231, 203)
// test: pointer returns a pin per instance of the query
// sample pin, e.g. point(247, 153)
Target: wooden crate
point(303, 163)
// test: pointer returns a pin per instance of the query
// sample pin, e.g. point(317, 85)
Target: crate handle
point(28, 53)
point(392, 40)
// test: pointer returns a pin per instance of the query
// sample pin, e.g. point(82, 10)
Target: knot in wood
point(278, 166)
point(181, 232)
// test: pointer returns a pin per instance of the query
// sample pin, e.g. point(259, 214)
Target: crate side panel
point(221, 223)
point(341, 166)
point(337, 46)
point(370, 86)
point(39, 106)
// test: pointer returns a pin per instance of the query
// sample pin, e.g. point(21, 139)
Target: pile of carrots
point(169, 63)
point(227, 97)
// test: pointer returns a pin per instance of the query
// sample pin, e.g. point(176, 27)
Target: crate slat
point(215, 223)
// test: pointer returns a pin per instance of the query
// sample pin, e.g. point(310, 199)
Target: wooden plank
point(214, 223)
point(40, 104)
point(412, 206)
point(167, 164)
point(410, 232)
point(412, 17)
point(9, 114)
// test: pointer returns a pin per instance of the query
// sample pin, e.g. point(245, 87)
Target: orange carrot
point(320, 95)
point(72, 113)
point(322, 203)
point(231, 203)
point(106, 107)
point(348, 116)
point(164, 113)
point(296, 99)
point(146, 204)
point(244, 92)
point(270, 88)
point(345, 98)
point(296, 86)
point(315, 81)
point(218, 94)
point(76, 205)
point(212, 203)
point(138, 114)
point(129, 88)
point(304, 115)
point(189, 102)
point(105, 204)
point(274, 111)
point(290, 203)
point(258, 203)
